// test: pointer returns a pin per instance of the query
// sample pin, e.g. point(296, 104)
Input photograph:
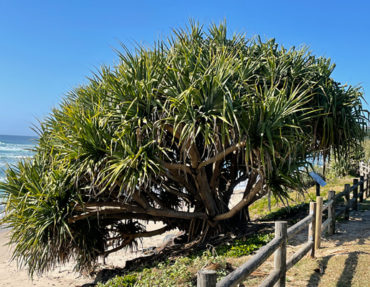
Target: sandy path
point(342, 261)
point(344, 258)
point(63, 276)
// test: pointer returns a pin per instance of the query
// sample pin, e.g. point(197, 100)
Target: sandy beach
point(64, 276)
point(10, 275)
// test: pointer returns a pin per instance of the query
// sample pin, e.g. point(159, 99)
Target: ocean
point(13, 149)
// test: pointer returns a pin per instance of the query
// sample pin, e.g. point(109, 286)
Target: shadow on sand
point(345, 235)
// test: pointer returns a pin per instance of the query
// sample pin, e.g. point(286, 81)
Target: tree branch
point(153, 232)
point(200, 177)
point(170, 129)
point(176, 214)
point(123, 245)
point(180, 179)
point(222, 154)
point(156, 199)
point(245, 201)
point(141, 200)
point(176, 166)
point(216, 170)
point(177, 193)
point(114, 207)
point(119, 215)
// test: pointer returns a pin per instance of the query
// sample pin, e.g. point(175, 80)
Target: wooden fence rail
point(277, 246)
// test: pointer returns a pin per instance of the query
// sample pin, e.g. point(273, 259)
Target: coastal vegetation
point(166, 135)
point(182, 271)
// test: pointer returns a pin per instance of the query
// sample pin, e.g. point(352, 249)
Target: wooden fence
point(333, 208)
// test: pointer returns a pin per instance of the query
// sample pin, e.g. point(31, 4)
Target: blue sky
point(47, 48)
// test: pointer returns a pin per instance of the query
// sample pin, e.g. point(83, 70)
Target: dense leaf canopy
point(166, 135)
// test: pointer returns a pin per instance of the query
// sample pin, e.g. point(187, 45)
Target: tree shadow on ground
point(315, 277)
point(346, 276)
point(345, 235)
point(349, 269)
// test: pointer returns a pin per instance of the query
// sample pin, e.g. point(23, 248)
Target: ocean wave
point(16, 144)
point(14, 157)
point(15, 148)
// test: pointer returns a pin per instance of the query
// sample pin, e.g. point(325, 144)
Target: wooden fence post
point(311, 227)
point(331, 213)
point(319, 202)
point(355, 194)
point(347, 189)
point(206, 278)
point(361, 195)
point(280, 253)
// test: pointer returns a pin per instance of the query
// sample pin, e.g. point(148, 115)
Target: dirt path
point(342, 261)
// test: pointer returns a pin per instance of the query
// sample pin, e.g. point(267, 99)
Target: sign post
point(317, 189)
point(319, 181)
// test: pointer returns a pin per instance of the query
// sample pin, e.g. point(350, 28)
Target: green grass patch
point(122, 281)
point(296, 200)
point(244, 247)
point(286, 213)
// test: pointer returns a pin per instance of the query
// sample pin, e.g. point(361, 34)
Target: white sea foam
point(13, 157)
point(12, 150)
point(15, 148)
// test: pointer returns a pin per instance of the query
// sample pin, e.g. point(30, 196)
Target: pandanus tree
point(166, 135)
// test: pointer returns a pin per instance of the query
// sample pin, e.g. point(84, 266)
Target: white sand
point(10, 275)
point(63, 276)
